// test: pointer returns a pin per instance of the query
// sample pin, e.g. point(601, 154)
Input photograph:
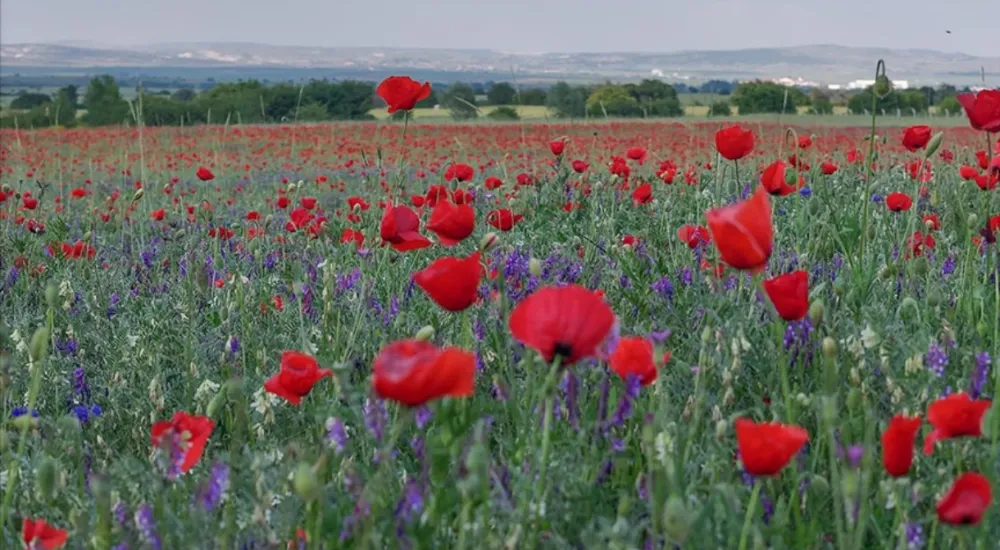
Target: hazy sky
point(514, 25)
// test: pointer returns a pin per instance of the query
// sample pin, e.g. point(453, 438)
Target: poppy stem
point(748, 519)
point(879, 71)
point(543, 464)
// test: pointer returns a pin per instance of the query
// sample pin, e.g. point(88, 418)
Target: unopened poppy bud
point(814, 207)
point(305, 483)
point(489, 242)
point(883, 86)
point(69, 427)
point(853, 399)
point(791, 176)
point(24, 422)
point(45, 479)
point(887, 272)
point(6, 189)
point(919, 266)
point(51, 295)
point(982, 329)
point(292, 187)
point(934, 298)
point(908, 309)
point(39, 346)
point(721, 429)
point(216, 404)
point(138, 195)
point(933, 145)
point(87, 235)
point(829, 347)
point(677, 520)
point(180, 234)
point(972, 222)
point(816, 311)
point(234, 389)
point(706, 335)
point(268, 219)
point(166, 187)
point(535, 267)
point(425, 333)
point(871, 231)
point(839, 286)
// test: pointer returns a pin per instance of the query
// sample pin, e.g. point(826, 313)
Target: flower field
point(572, 335)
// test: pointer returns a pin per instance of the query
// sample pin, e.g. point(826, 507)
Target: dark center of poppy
point(563, 350)
point(968, 519)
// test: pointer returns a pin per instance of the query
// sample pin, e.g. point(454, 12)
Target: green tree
point(312, 112)
point(63, 109)
point(656, 98)
point(567, 101)
point(503, 112)
point(614, 101)
point(767, 97)
point(104, 101)
point(184, 95)
point(157, 110)
point(239, 102)
point(72, 94)
point(950, 106)
point(460, 99)
point(720, 108)
point(501, 93)
point(280, 102)
point(533, 96)
point(821, 104)
point(347, 100)
point(27, 100)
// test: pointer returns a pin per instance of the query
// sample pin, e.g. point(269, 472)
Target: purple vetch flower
point(84, 414)
point(571, 388)
point(877, 198)
point(604, 473)
point(12, 277)
point(625, 282)
point(423, 416)
point(21, 411)
point(361, 512)
point(854, 455)
point(411, 504)
point(936, 359)
point(234, 345)
point(980, 375)
point(498, 391)
point(68, 347)
point(375, 417)
point(624, 411)
point(664, 288)
point(80, 386)
point(336, 434)
point(658, 337)
point(146, 523)
point(642, 486)
point(797, 340)
point(417, 444)
point(768, 505)
point(805, 192)
point(210, 494)
point(687, 276)
point(121, 514)
point(914, 536)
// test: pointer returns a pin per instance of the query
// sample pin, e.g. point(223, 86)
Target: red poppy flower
point(995, 166)
point(693, 235)
point(188, 432)
point(78, 193)
point(916, 137)
point(453, 283)
point(805, 142)
point(402, 93)
point(570, 322)
point(966, 501)
point(357, 202)
point(766, 448)
point(413, 372)
point(580, 166)
point(637, 154)
point(452, 223)
point(642, 194)
point(283, 202)
point(983, 109)
point(204, 174)
point(917, 242)
point(253, 216)
point(503, 219)
point(30, 203)
point(436, 193)
point(734, 142)
point(37, 534)
point(400, 228)
point(897, 444)
point(308, 202)
point(790, 294)
point(77, 250)
point(350, 235)
point(776, 179)
point(300, 217)
point(968, 172)
point(898, 202)
point(982, 159)
point(418, 200)
point(955, 416)
point(932, 222)
point(299, 373)
point(987, 182)
point(492, 183)
point(828, 168)
point(461, 172)
point(557, 147)
point(634, 356)
point(461, 196)
point(743, 232)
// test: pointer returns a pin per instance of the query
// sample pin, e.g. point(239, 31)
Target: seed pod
point(425, 333)
point(933, 145)
point(45, 479)
point(535, 267)
point(305, 483)
point(489, 242)
point(39, 346)
point(829, 347)
point(816, 312)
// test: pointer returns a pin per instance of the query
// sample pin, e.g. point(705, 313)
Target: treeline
point(321, 100)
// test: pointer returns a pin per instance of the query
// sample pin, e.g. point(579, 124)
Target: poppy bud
point(138, 195)
point(305, 483)
point(6, 189)
point(853, 399)
point(69, 427)
point(791, 176)
point(45, 479)
point(87, 235)
point(721, 429)
point(982, 329)
point(51, 295)
point(933, 145)
point(489, 242)
point(882, 87)
point(25, 422)
point(268, 219)
point(234, 389)
point(887, 272)
point(39, 346)
point(677, 520)
point(814, 207)
point(838, 286)
point(816, 311)
point(972, 221)
point(919, 266)
point(535, 267)
point(934, 298)
point(871, 231)
point(425, 334)
point(829, 347)
point(217, 402)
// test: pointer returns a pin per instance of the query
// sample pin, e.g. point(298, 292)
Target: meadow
point(522, 335)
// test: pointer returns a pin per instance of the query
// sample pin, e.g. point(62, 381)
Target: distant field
point(526, 112)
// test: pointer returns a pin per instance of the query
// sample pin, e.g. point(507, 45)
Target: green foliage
point(720, 108)
point(719, 87)
point(568, 101)
point(655, 98)
point(503, 113)
point(501, 93)
point(460, 99)
point(312, 112)
point(347, 100)
point(157, 110)
point(104, 101)
point(614, 101)
point(28, 100)
point(821, 104)
point(767, 97)
point(534, 96)
point(905, 102)
point(184, 95)
point(950, 106)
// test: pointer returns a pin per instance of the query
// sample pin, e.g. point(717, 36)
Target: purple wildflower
point(375, 417)
point(979, 375)
point(336, 434)
point(210, 494)
point(664, 288)
point(936, 358)
point(147, 526)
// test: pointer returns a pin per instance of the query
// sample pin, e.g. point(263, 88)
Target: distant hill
point(826, 64)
